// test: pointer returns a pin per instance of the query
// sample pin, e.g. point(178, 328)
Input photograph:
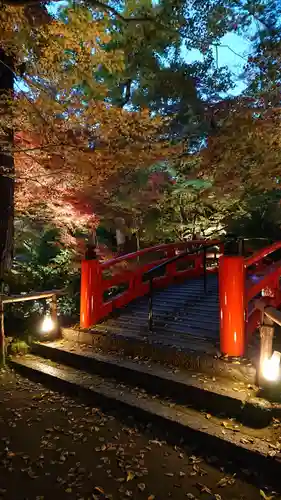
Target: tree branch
point(91, 3)
point(217, 45)
point(112, 10)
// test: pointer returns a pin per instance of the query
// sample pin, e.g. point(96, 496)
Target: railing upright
point(232, 305)
point(236, 292)
point(200, 263)
point(150, 306)
point(205, 269)
point(91, 292)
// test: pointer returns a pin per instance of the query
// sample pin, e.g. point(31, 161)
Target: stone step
point(164, 311)
point(201, 392)
point(188, 340)
point(214, 433)
point(187, 334)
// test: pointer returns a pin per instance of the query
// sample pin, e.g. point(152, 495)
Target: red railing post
point(91, 293)
point(232, 305)
point(199, 264)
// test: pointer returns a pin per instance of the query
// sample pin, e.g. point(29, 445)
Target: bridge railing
point(208, 251)
point(241, 281)
point(110, 285)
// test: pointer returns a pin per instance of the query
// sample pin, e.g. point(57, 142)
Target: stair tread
point(138, 400)
point(194, 379)
point(183, 301)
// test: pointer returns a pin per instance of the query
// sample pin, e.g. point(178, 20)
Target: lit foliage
point(42, 263)
point(49, 195)
point(136, 198)
point(191, 207)
point(67, 143)
point(84, 67)
point(263, 68)
point(245, 152)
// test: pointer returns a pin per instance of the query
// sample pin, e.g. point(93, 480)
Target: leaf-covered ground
point(52, 447)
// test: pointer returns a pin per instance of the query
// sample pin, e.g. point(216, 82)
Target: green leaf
point(264, 496)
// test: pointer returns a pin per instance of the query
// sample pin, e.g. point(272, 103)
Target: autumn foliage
point(244, 153)
point(70, 140)
point(97, 98)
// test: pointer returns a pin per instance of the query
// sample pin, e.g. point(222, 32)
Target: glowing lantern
point(271, 367)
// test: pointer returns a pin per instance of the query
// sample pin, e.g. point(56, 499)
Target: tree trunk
point(6, 163)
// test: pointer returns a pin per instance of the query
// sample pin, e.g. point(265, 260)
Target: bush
point(18, 346)
point(41, 263)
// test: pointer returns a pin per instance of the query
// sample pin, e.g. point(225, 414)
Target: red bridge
point(191, 294)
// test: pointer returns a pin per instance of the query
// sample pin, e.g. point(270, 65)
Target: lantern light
point(271, 367)
point(47, 324)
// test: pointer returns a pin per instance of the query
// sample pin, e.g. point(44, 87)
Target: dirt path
point(52, 447)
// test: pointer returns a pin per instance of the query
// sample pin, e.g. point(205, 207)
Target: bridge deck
point(184, 317)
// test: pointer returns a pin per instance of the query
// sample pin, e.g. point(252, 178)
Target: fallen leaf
point(266, 497)
point(195, 460)
point(151, 497)
point(130, 475)
point(141, 486)
point(99, 490)
point(226, 481)
point(272, 453)
point(203, 488)
point(155, 441)
point(222, 482)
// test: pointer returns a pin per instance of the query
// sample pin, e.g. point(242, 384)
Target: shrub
point(41, 263)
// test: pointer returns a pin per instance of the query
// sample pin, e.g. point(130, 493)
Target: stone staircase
point(182, 312)
point(187, 390)
point(225, 415)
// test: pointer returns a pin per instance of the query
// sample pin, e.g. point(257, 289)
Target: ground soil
point(53, 447)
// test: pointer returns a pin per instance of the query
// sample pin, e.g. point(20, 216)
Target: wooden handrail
point(157, 248)
point(261, 254)
point(265, 280)
point(271, 312)
point(9, 299)
point(150, 274)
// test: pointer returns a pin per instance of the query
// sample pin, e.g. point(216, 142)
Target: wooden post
point(91, 298)
point(54, 315)
point(2, 335)
point(232, 305)
point(54, 309)
point(266, 342)
point(150, 306)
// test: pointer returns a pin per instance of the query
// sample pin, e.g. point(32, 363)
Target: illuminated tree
point(67, 143)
